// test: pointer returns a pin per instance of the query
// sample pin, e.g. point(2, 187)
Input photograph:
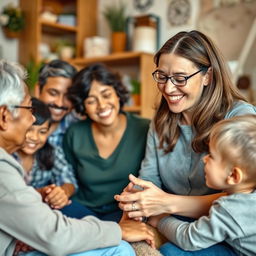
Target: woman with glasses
point(197, 92)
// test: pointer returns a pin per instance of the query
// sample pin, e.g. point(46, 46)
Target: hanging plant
point(12, 20)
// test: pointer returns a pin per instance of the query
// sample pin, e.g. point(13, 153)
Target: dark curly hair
point(82, 83)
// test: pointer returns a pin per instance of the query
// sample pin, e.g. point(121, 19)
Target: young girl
point(45, 165)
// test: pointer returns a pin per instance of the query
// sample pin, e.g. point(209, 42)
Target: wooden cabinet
point(40, 30)
point(134, 64)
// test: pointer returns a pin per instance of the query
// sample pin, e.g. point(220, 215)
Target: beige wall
point(228, 26)
point(8, 47)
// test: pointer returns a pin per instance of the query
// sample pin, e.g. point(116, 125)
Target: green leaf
point(115, 16)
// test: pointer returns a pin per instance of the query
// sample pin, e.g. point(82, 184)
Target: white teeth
point(176, 97)
point(105, 113)
point(31, 145)
point(57, 111)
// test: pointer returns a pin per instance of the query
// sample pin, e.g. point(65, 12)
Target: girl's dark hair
point(82, 83)
point(45, 155)
point(217, 98)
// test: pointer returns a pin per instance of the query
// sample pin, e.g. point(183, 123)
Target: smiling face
point(102, 104)
point(18, 126)
point(54, 94)
point(36, 137)
point(181, 99)
point(216, 171)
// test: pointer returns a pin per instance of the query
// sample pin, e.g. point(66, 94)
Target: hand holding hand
point(56, 197)
point(148, 202)
point(134, 231)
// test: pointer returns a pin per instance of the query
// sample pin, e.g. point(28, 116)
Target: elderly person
point(23, 216)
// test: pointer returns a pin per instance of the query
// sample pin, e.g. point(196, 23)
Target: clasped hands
point(54, 196)
point(145, 202)
point(138, 204)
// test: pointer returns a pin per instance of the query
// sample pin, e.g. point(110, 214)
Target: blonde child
point(230, 166)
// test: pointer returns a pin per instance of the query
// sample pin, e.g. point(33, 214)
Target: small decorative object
point(96, 46)
point(49, 16)
point(66, 52)
point(244, 85)
point(44, 51)
point(65, 49)
point(142, 5)
point(12, 20)
point(145, 33)
point(67, 19)
point(178, 12)
point(135, 92)
point(116, 18)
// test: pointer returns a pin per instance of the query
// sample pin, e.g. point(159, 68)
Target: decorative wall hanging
point(142, 5)
point(178, 12)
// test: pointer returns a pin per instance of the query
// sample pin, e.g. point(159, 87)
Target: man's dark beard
point(57, 107)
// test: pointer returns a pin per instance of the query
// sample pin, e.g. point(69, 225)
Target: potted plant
point(33, 73)
point(65, 49)
point(12, 20)
point(116, 18)
point(135, 91)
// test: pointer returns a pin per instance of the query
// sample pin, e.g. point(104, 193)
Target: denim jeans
point(222, 249)
point(124, 249)
point(78, 211)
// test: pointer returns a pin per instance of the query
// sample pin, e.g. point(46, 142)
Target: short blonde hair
point(235, 140)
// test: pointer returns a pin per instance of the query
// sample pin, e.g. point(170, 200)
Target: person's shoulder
point(241, 108)
point(4, 155)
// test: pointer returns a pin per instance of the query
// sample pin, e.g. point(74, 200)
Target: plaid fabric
point(62, 172)
point(56, 137)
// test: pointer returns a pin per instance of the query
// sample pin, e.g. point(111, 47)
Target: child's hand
point(56, 197)
point(154, 220)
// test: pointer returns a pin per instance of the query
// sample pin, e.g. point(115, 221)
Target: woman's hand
point(134, 231)
point(143, 203)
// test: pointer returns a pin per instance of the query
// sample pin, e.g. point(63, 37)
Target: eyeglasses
point(31, 108)
point(177, 80)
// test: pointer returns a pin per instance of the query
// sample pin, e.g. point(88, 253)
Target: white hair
point(12, 90)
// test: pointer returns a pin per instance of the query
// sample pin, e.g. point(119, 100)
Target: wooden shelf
point(58, 26)
point(39, 30)
point(126, 58)
point(135, 109)
point(136, 65)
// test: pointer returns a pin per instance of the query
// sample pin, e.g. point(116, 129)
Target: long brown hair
point(216, 100)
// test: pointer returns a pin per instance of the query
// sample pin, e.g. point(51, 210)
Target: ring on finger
point(134, 208)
